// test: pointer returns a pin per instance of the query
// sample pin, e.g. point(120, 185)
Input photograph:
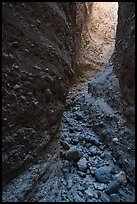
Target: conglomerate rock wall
point(39, 45)
point(38, 56)
point(124, 56)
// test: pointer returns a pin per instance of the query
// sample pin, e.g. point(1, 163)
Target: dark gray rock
point(77, 198)
point(79, 116)
point(72, 154)
point(114, 198)
point(113, 187)
point(65, 145)
point(81, 174)
point(102, 174)
point(104, 197)
point(96, 142)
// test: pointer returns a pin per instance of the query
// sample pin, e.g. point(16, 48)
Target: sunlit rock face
point(98, 30)
point(38, 50)
point(124, 56)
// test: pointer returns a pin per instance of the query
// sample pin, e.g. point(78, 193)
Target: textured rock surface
point(96, 25)
point(124, 56)
point(93, 124)
point(37, 67)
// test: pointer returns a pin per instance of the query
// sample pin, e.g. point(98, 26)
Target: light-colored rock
point(82, 164)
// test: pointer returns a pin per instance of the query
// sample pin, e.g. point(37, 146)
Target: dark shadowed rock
point(72, 154)
point(114, 198)
point(113, 187)
point(77, 198)
point(65, 145)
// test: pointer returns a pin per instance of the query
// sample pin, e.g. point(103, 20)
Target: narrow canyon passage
point(65, 137)
point(84, 169)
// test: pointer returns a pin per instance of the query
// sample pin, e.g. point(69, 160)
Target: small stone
point(81, 174)
point(104, 197)
point(113, 187)
point(65, 145)
point(80, 138)
point(82, 164)
point(96, 142)
point(88, 145)
point(85, 185)
point(99, 186)
point(78, 116)
point(22, 98)
point(87, 138)
point(15, 44)
point(69, 184)
point(16, 87)
point(80, 188)
point(80, 194)
point(91, 193)
point(102, 174)
point(114, 198)
point(92, 151)
point(115, 139)
point(77, 198)
point(121, 177)
point(75, 141)
point(72, 154)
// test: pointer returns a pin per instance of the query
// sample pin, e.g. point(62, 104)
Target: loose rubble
point(89, 170)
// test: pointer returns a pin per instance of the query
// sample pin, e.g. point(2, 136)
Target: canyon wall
point(37, 59)
point(124, 56)
point(39, 44)
point(96, 23)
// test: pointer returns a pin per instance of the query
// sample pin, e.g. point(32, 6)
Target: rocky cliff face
point(37, 50)
point(124, 56)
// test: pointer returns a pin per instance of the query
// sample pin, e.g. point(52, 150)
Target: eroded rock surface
point(124, 57)
point(96, 158)
point(37, 67)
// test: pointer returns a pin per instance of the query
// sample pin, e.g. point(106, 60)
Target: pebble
point(88, 145)
point(92, 151)
point(113, 187)
point(80, 194)
point(121, 177)
point(80, 188)
point(99, 186)
point(69, 184)
point(104, 197)
point(81, 174)
point(82, 164)
point(96, 142)
point(84, 185)
point(65, 145)
point(81, 138)
point(77, 198)
point(91, 193)
point(79, 116)
point(114, 198)
point(73, 153)
point(102, 174)
point(87, 139)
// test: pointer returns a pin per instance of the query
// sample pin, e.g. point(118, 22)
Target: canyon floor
point(83, 163)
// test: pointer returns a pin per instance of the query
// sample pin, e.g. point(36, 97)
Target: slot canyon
point(68, 101)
